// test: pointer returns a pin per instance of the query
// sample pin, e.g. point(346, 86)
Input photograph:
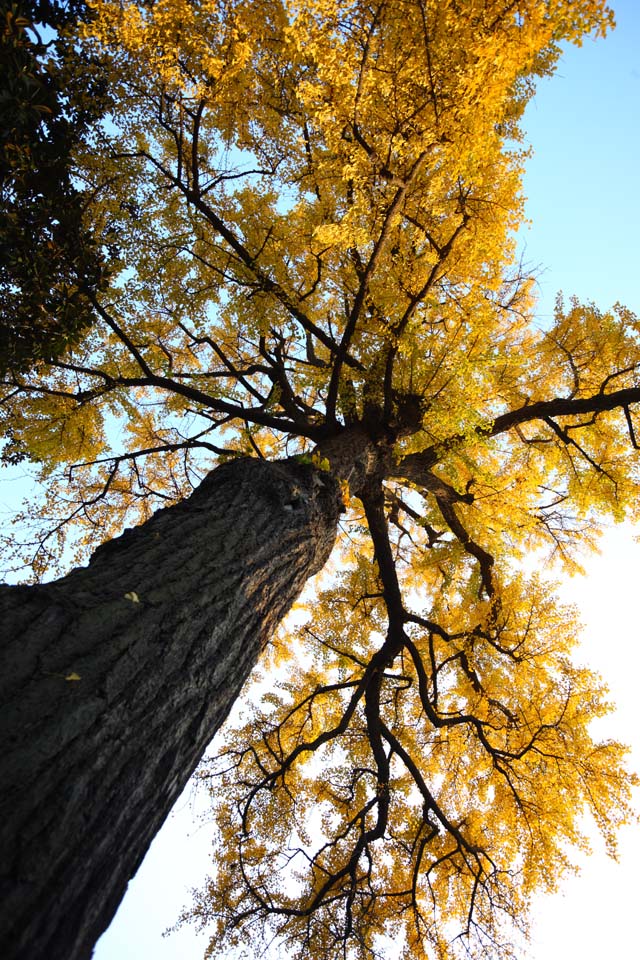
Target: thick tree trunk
point(162, 628)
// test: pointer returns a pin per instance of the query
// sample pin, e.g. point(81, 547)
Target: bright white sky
point(582, 189)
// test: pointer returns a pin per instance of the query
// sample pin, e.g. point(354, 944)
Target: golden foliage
point(314, 205)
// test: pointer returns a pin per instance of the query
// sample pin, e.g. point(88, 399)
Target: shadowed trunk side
point(162, 629)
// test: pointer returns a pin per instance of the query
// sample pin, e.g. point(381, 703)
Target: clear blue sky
point(582, 188)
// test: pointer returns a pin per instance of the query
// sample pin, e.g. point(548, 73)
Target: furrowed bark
point(90, 767)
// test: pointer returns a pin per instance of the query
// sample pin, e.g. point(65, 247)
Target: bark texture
point(90, 768)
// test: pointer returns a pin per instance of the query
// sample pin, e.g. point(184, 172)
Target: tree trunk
point(162, 629)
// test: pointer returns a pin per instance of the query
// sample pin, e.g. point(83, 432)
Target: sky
point(581, 185)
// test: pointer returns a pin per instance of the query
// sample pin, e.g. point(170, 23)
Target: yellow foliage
point(53, 428)
point(315, 205)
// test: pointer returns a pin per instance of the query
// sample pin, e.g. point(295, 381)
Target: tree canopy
point(315, 205)
point(49, 255)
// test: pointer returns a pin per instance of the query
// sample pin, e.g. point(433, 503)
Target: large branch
point(361, 295)
point(573, 406)
point(417, 467)
point(233, 411)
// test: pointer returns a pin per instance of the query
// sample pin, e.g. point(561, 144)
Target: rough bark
point(90, 768)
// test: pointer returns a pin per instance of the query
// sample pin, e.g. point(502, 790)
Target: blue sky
point(583, 199)
point(582, 182)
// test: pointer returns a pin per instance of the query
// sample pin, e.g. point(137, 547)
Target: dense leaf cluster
point(50, 258)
